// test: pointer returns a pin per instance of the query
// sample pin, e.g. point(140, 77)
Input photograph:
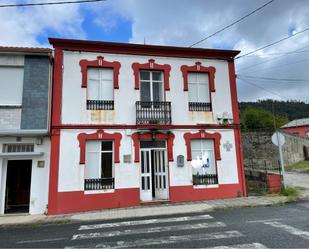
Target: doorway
point(18, 181)
point(154, 171)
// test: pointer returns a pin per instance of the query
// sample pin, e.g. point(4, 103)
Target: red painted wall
point(300, 130)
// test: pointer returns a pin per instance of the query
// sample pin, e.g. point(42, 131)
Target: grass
point(291, 192)
point(302, 166)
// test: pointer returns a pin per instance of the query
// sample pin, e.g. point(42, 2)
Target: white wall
point(39, 176)
point(74, 97)
point(127, 175)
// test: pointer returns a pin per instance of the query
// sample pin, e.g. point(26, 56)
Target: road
point(285, 226)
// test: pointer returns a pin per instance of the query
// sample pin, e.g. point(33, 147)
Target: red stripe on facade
point(233, 90)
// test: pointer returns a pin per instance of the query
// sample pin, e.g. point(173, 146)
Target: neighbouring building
point(133, 124)
point(298, 127)
point(25, 80)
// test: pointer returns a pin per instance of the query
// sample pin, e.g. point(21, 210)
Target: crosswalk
point(162, 232)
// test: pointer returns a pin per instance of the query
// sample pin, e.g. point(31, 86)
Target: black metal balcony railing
point(100, 105)
point(200, 107)
point(153, 112)
point(205, 179)
point(99, 184)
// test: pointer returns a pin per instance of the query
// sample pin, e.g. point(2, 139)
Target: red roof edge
point(129, 48)
point(25, 50)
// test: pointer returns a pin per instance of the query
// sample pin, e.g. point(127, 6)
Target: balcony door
point(151, 86)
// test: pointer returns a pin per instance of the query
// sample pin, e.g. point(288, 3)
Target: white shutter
point(93, 160)
point(11, 85)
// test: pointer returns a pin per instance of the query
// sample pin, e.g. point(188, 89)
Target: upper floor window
point(100, 89)
point(199, 95)
point(99, 169)
point(151, 83)
point(11, 85)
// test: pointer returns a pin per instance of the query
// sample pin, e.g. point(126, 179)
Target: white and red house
point(133, 124)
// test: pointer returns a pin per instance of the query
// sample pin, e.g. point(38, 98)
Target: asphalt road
point(284, 226)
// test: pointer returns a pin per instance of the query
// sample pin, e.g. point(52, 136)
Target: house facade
point(25, 79)
point(298, 127)
point(135, 124)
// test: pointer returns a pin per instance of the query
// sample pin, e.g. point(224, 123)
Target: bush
point(290, 192)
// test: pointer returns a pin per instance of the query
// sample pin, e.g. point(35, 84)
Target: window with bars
point(16, 148)
point(100, 87)
point(99, 168)
point(203, 162)
point(199, 95)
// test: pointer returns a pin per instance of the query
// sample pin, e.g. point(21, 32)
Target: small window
point(11, 85)
point(17, 148)
point(203, 162)
point(100, 89)
point(99, 168)
point(199, 96)
point(151, 83)
point(307, 134)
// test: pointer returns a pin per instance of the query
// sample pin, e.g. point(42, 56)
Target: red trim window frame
point(99, 135)
point(137, 137)
point(216, 137)
point(152, 66)
point(99, 63)
point(198, 68)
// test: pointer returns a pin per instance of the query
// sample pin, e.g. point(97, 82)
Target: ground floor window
point(99, 168)
point(203, 162)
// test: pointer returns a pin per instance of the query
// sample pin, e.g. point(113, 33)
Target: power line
point(264, 89)
point(283, 53)
point(276, 58)
point(49, 3)
point(230, 25)
point(273, 79)
point(273, 43)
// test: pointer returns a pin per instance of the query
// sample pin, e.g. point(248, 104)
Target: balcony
point(205, 179)
point(153, 113)
point(99, 183)
point(100, 105)
point(200, 107)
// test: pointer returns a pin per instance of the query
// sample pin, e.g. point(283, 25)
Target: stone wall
point(260, 152)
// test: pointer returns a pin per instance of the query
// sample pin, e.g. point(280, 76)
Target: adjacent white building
point(25, 79)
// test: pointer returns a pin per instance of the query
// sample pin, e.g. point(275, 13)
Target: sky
point(182, 23)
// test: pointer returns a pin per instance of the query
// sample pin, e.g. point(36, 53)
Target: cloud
point(23, 25)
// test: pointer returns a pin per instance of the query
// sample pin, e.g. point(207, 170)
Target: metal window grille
point(205, 179)
point(153, 112)
point(14, 148)
point(99, 183)
point(100, 105)
point(200, 107)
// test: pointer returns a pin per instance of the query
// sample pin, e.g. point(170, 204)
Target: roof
point(297, 122)
point(142, 49)
point(25, 50)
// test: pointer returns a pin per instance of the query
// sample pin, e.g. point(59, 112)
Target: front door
point(18, 181)
point(154, 176)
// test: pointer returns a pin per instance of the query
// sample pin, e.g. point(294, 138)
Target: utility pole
point(279, 143)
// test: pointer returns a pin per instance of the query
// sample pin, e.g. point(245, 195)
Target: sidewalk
point(146, 210)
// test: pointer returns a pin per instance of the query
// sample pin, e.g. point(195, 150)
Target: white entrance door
point(154, 177)
point(146, 181)
point(160, 175)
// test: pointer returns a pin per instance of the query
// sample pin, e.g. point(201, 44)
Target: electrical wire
point(233, 23)
point(273, 79)
point(49, 3)
point(273, 43)
point(264, 89)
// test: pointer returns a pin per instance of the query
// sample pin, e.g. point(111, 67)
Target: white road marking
point(238, 246)
point(262, 221)
point(171, 240)
point(39, 240)
point(145, 222)
point(289, 229)
point(148, 230)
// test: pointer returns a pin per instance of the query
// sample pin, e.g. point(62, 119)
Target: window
point(99, 173)
point(11, 85)
point(307, 134)
point(100, 89)
point(15, 148)
point(199, 96)
point(151, 83)
point(203, 162)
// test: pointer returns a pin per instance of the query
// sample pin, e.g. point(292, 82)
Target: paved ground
point(297, 179)
point(285, 226)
